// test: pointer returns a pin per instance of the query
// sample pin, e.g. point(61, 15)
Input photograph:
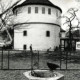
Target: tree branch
point(10, 8)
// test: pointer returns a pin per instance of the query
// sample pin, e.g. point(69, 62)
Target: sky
point(63, 4)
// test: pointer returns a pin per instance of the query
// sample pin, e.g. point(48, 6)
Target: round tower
point(36, 23)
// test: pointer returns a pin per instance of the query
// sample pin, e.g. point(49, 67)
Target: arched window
point(24, 33)
point(47, 33)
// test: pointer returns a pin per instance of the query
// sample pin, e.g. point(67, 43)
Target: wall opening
point(47, 33)
point(24, 33)
point(24, 47)
point(49, 10)
point(36, 9)
point(29, 10)
point(43, 10)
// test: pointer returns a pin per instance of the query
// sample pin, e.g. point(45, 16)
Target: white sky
point(63, 4)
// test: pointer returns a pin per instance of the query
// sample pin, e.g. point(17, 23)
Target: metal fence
point(23, 60)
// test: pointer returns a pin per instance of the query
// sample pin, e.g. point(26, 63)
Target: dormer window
point(36, 9)
point(43, 10)
point(49, 10)
point(29, 10)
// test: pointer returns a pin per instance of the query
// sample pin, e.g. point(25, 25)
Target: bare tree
point(70, 18)
point(6, 19)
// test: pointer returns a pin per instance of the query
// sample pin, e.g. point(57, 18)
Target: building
point(62, 33)
point(36, 23)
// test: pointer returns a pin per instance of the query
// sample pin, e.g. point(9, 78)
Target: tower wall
point(36, 25)
point(36, 35)
point(22, 15)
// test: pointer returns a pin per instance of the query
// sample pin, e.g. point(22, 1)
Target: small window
point(43, 10)
point(29, 10)
point(56, 13)
point(47, 33)
point(15, 12)
point(24, 33)
point(36, 9)
point(49, 11)
point(24, 47)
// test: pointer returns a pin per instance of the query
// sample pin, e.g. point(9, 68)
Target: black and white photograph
point(39, 39)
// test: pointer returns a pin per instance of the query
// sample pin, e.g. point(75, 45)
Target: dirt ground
point(18, 74)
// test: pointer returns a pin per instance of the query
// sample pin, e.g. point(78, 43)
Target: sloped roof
point(62, 30)
point(37, 2)
point(75, 33)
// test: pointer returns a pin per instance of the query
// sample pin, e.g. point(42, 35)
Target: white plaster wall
point(36, 35)
point(23, 16)
point(37, 32)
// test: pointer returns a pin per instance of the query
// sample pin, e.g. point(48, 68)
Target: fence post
point(66, 58)
point(60, 54)
point(8, 59)
point(31, 58)
point(38, 59)
point(2, 60)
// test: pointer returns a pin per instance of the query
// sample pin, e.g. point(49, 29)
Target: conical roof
point(37, 2)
